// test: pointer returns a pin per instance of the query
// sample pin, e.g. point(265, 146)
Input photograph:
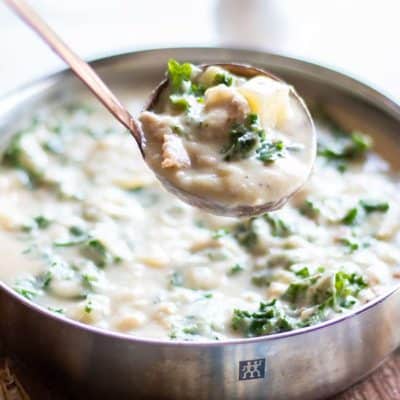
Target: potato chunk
point(268, 98)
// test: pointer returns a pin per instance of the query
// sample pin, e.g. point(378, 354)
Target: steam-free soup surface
point(88, 233)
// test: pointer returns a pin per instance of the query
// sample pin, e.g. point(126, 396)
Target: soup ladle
point(96, 85)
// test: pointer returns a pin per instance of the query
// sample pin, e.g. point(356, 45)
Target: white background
point(360, 37)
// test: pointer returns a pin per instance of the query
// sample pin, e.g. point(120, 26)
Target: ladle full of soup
point(231, 139)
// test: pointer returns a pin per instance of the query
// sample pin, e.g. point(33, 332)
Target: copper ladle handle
point(81, 69)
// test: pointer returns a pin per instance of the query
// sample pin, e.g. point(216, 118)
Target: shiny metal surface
point(313, 363)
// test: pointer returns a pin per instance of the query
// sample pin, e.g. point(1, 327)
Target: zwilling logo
point(252, 369)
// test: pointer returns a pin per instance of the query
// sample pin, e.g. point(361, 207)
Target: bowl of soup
point(127, 290)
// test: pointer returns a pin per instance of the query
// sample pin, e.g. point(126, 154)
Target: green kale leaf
point(178, 73)
point(346, 147)
point(279, 228)
point(270, 151)
point(236, 269)
point(246, 234)
point(224, 77)
point(180, 102)
point(270, 318)
point(244, 139)
point(374, 206)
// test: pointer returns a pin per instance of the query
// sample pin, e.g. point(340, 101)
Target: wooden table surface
point(31, 384)
point(383, 384)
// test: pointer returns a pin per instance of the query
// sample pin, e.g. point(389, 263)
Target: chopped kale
point(27, 288)
point(180, 102)
point(88, 281)
point(357, 213)
point(198, 91)
point(242, 143)
point(374, 206)
point(98, 253)
point(278, 226)
point(192, 325)
point(88, 307)
point(15, 155)
point(352, 216)
point(296, 291)
point(351, 244)
point(346, 147)
point(39, 222)
point(219, 233)
point(178, 73)
point(43, 280)
point(248, 138)
point(341, 293)
point(42, 222)
point(310, 209)
point(173, 334)
point(191, 330)
point(78, 237)
point(270, 151)
point(339, 290)
point(223, 77)
point(303, 272)
point(244, 139)
point(361, 143)
point(245, 234)
point(76, 231)
point(13, 151)
point(34, 286)
point(253, 122)
point(236, 269)
point(270, 318)
point(347, 286)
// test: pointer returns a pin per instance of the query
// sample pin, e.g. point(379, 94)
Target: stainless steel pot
point(311, 363)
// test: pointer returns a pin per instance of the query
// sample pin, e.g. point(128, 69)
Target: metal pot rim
point(365, 90)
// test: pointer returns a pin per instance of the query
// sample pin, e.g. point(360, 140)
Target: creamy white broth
point(90, 234)
point(228, 140)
